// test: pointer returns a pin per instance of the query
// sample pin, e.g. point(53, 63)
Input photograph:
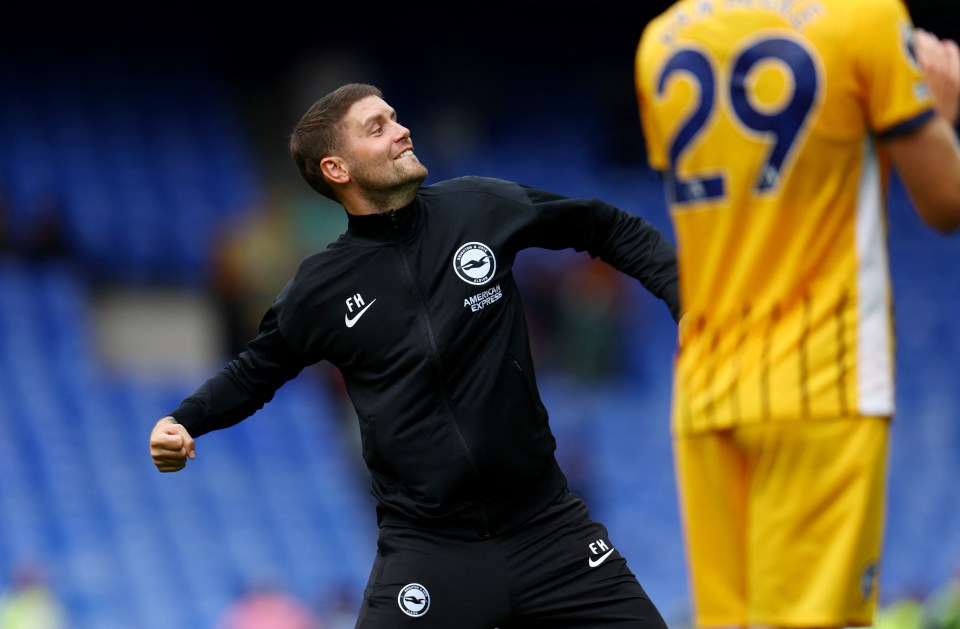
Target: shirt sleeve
point(628, 242)
point(896, 93)
point(244, 385)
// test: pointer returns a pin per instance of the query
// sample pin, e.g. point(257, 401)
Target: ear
point(334, 170)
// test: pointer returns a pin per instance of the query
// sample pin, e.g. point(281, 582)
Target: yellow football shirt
point(765, 116)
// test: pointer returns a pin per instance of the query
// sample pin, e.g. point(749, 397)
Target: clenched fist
point(171, 445)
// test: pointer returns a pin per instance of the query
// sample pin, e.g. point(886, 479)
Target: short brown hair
point(318, 134)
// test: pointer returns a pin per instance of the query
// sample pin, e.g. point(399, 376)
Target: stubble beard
point(394, 188)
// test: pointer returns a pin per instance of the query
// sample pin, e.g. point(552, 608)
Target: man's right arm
point(928, 158)
point(236, 392)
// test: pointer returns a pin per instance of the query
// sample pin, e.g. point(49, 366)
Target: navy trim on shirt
point(907, 126)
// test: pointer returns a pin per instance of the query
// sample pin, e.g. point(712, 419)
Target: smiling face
point(378, 154)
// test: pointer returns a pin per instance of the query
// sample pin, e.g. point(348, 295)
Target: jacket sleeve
point(627, 242)
point(244, 385)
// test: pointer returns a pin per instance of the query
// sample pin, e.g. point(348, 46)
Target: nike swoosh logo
point(352, 322)
point(596, 561)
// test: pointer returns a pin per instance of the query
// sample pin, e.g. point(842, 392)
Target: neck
point(380, 201)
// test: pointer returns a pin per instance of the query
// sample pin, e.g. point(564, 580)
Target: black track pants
point(559, 571)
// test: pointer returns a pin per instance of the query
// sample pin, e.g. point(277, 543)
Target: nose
point(401, 132)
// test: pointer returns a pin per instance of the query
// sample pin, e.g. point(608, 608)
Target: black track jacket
point(419, 311)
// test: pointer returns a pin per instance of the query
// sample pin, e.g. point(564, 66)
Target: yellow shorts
point(784, 522)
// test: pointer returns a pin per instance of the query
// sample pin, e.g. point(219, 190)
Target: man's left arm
point(628, 242)
point(639, 249)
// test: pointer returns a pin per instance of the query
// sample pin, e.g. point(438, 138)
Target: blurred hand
point(171, 445)
point(940, 61)
point(683, 330)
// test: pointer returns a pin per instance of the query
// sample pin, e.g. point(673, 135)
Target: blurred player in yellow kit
point(775, 125)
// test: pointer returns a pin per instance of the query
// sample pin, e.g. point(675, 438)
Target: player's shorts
point(784, 522)
point(560, 570)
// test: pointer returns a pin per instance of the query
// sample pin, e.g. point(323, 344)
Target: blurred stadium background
point(134, 140)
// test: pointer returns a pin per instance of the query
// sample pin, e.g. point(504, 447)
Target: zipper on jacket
point(435, 351)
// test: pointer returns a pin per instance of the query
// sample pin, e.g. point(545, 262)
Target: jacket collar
point(394, 225)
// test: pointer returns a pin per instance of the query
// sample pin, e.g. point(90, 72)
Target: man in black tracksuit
point(416, 305)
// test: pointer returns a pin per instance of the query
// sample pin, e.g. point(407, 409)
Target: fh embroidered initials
point(353, 303)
